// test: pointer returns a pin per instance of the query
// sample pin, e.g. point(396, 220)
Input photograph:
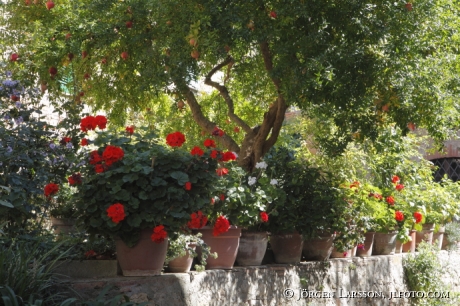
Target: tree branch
point(225, 94)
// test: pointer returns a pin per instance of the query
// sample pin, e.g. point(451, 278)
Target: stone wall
point(335, 282)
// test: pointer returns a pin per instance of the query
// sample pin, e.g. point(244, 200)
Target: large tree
point(355, 64)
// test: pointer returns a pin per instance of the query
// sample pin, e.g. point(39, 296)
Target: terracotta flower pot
point(318, 248)
point(287, 248)
point(226, 245)
point(63, 225)
point(438, 237)
point(252, 248)
point(182, 264)
point(145, 258)
point(425, 235)
point(410, 245)
point(384, 243)
point(347, 254)
point(366, 249)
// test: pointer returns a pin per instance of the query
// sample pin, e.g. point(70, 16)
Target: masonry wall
point(335, 282)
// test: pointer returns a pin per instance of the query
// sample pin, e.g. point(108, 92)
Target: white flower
point(252, 180)
point(273, 182)
point(261, 165)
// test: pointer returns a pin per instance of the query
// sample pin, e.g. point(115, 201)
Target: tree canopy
point(354, 65)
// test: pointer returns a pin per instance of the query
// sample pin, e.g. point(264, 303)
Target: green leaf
point(134, 220)
point(180, 176)
point(7, 204)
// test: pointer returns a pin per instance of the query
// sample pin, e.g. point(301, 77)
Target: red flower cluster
point(197, 151)
point(112, 154)
point(390, 200)
point(159, 234)
point(399, 187)
point(116, 212)
point(84, 142)
point(90, 253)
point(214, 153)
point(236, 129)
point(90, 123)
point(221, 171)
point(376, 195)
point(188, 186)
point(395, 179)
point(355, 184)
point(65, 140)
point(74, 179)
point(99, 168)
point(51, 189)
point(209, 143)
point(175, 139)
point(399, 216)
point(217, 132)
point(94, 158)
point(227, 156)
point(222, 197)
point(264, 216)
point(221, 226)
point(130, 129)
point(418, 217)
point(198, 220)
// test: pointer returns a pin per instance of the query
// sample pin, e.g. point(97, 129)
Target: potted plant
point(139, 191)
point(244, 198)
point(183, 249)
point(62, 209)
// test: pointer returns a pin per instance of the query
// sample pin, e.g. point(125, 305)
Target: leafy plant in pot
point(183, 249)
point(137, 190)
point(243, 198)
point(62, 206)
point(308, 206)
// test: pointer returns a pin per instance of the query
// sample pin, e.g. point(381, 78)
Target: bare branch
point(225, 94)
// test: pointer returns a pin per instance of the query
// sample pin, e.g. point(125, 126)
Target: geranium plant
point(131, 181)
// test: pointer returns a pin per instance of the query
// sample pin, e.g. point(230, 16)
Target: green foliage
point(453, 234)
point(423, 272)
point(149, 182)
point(247, 195)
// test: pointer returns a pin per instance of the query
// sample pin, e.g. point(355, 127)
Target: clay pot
point(287, 248)
point(252, 248)
point(410, 245)
point(438, 237)
point(366, 250)
point(425, 235)
point(145, 258)
point(182, 264)
point(63, 225)
point(226, 245)
point(318, 248)
point(347, 254)
point(384, 243)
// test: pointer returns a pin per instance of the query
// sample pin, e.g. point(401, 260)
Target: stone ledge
point(264, 285)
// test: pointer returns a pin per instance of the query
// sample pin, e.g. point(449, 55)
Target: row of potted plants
point(144, 191)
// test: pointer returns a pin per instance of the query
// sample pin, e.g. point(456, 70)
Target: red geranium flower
point(84, 142)
point(399, 216)
point(74, 179)
point(130, 129)
point(418, 217)
point(51, 189)
point(236, 129)
point(355, 184)
point(116, 212)
point(87, 124)
point(99, 168)
point(209, 143)
point(112, 154)
point(378, 196)
point(395, 179)
point(159, 234)
point(90, 253)
point(198, 220)
point(228, 156)
point(221, 226)
point(197, 151)
point(264, 216)
point(222, 171)
point(399, 187)
point(94, 158)
point(100, 121)
point(65, 140)
point(222, 197)
point(390, 200)
point(188, 186)
point(175, 139)
point(214, 153)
